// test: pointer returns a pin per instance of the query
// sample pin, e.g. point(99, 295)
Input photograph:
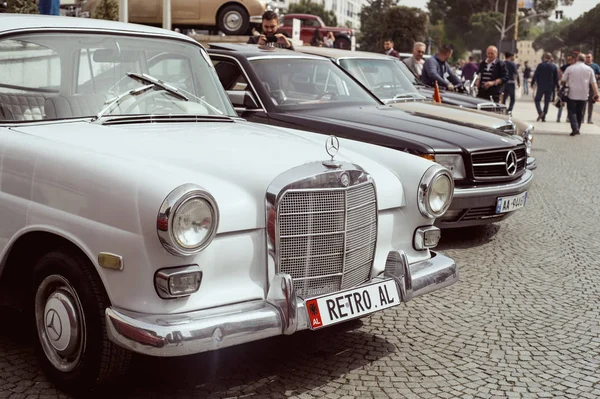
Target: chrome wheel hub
point(60, 322)
point(233, 20)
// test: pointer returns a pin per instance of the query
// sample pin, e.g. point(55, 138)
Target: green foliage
point(313, 8)
point(381, 20)
point(483, 29)
point(107, 9)
point(22, 7)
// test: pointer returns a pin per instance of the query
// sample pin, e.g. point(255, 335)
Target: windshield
point(383, 77)
point(408, 74)
point(67, 75)
point(300, 83)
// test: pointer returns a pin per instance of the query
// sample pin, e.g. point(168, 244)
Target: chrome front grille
point(509, 128)
point(327, 237)
point(493, 164)
point(492, 107)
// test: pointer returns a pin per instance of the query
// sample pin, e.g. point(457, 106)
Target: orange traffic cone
point(436, 94)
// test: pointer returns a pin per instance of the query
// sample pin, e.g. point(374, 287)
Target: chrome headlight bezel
point(528, 137)
point(430, 177)
point(168, 210)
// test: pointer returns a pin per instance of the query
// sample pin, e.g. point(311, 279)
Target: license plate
point(509, 204)
point(345, 305)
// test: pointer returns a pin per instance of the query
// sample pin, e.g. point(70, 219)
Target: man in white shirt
point(579, 77)
point(415, 63)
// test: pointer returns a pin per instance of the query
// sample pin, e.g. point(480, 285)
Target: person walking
point(526, 77)
point(437, 69)
point(492, 76)
point(561, 71)
point(416, 62)
point(388, 46)
point(470, 69)
point(589, 61)
point(579, 77)
point(545, 78)
point(513, 75)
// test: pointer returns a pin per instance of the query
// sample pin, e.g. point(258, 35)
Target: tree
point(381, 20)
point(107, 9)
point(22, 7)
point(483, 29)
point(308, 7)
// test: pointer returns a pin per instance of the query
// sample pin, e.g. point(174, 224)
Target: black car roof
point(253, 50)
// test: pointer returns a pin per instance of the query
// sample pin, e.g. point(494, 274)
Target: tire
point(234, 20)
point(68, 297)
point(342, 43)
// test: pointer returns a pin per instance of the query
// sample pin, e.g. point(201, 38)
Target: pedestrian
point(49, 7)
point(561, 71)
point(579, 77)
point(545, 78)
point(526, 77)
point(317, 39)
point(329, 40)
point(513, 78)
point(270, 35)
point(437, 69)
point(492, 76)
point(470, 69)
point(416, 62)
point(589, 61)
point(388, 46)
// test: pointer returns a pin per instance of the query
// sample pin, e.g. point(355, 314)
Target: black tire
point(97, 360)
point(342, 42)
point(233, 20)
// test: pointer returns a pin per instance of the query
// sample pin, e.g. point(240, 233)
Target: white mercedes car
point(141, 215)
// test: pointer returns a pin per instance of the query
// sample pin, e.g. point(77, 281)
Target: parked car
point(291, 89)
point(141, 214)
point(310, 23)
point(386, 78)
point(232, 17)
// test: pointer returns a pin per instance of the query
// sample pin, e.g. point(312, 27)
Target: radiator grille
point(492, 164)
point(496, 109)
point(327, 238)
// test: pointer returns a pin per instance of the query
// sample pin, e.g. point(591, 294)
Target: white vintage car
point(140, 214)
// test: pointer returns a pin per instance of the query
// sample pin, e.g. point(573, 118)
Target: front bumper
point(281, 313)
point(256, 19)
point(475, 206)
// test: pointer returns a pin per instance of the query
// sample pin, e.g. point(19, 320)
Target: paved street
point(523, 322)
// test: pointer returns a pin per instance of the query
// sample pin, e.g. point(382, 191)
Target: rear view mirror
point(243, 100)
point(112, 55)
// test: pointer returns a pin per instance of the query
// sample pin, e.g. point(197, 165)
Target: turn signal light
point(178, 281)
point(427, 237)
point(429, 157)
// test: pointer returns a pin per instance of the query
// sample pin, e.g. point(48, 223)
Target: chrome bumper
point(531, 163)
point(511, 188)
point(256, 19)
point(281, 313)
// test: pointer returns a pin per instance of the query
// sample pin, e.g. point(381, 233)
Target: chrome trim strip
point(522, 184)
point(167, 335)
point(290, 56)
point(499, 150)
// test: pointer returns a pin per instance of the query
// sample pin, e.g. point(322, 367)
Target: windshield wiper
point(117, 100)
point(145, 78)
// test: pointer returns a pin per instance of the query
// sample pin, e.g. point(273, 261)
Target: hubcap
point(60, 322)
point(233, 20)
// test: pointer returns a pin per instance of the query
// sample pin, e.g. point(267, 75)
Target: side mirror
point(243, 100)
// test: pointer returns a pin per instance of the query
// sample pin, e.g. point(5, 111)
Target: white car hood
point(234, 161)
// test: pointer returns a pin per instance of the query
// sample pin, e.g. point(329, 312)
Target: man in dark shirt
point(270, 36)
point(437, 69)
point(513, 78)
point(546, 79)
point(470, 69)
point(526, 77)
point(492, 76)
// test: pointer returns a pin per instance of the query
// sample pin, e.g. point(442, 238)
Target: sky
point(573, 11)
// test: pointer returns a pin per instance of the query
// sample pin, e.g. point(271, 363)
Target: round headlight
point(436, 191)
point(187, 220)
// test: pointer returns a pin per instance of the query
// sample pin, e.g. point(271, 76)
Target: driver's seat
point(58, 107)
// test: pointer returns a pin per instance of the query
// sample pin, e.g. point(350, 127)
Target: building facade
point(526, 52)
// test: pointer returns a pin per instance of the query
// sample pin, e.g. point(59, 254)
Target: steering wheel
point(332, 94)
point(145, 97)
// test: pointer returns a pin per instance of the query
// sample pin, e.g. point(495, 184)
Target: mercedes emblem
point(511, 163)
point(332, 146)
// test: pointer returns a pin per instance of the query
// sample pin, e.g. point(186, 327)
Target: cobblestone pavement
point(523, 321)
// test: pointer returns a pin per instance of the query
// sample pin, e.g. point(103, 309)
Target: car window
point(383, 77)
point(307, 83)
point(67, 75)
point(313, 23)
point(21, 62)
point(230, 75)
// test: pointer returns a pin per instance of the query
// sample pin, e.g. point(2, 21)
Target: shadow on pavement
point(467, 237)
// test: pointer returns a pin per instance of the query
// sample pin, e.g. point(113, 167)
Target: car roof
point(253, 50)
point(27, 22)
point(339, 53)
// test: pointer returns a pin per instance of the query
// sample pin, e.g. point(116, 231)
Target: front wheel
point(234, 20)
point(72, 346)
point(342, 43)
